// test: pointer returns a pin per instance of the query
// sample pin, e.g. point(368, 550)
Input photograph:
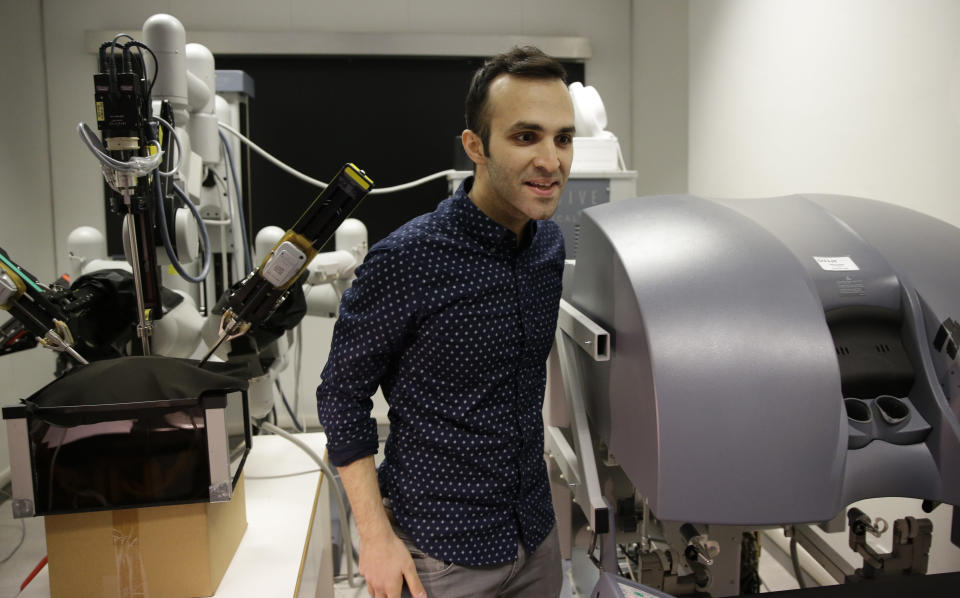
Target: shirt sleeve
point(375, 314)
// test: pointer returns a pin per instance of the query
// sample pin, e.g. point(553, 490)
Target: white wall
point(26, 211)
point(860, 97)
point(659, 102)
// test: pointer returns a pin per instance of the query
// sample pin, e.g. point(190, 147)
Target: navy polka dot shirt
point(454, 322)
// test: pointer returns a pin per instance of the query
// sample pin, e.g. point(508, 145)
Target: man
point(453, 315)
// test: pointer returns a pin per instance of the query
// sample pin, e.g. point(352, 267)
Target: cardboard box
point(178, 551)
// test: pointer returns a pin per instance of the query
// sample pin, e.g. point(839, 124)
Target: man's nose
point(547, 157)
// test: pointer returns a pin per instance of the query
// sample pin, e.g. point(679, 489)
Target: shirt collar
point(480, 226)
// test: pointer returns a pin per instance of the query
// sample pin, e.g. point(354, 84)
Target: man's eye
point(564, 139)
point(525, 137)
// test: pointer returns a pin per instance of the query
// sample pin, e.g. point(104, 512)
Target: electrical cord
point(412, 184)
point(204, 235)
point(282, 475)
point(176, 139)
point(139, 165)
point(321, 184)
point(271, 159)
point(23, 535)
point(111, 66)
point(126, 53)
point(156, 64)
point(795, 559)
point(296, 423)
point(297, 366)
point(165, 234)
point(248, 258)
point(341, 508)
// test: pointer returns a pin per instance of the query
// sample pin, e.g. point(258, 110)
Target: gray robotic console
point(753, 363)
point(772, 360)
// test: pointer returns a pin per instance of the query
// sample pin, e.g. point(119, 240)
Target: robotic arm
point(31, 306)
point(258, 295)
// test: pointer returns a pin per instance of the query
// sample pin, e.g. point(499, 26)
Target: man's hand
point(385, 563)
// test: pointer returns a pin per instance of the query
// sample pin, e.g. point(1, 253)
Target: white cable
point(321, 184)
point(176, 139)
point(412, 184)
point(141, 166)
point(271, 159)
point(224, 273)
point(297, 369)
point(341, 508)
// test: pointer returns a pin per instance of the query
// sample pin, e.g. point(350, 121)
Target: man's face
point(530, 150)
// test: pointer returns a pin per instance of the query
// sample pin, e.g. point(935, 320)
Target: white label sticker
point(629, 592)
point(836, 264)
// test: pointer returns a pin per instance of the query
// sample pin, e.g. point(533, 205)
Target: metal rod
point(645, 530)
point(73, 353)
point(595, 507)
point(213, 349)
point(823, 553)
point(143, 328)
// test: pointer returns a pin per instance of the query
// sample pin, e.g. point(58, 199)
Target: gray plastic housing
point(722, 399)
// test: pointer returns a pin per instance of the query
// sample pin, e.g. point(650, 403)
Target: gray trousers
point(532, 575)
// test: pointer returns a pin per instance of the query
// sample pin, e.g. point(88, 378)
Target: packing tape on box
point(131, 576)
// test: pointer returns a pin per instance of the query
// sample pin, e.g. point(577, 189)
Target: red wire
point(40, 565)
point(18, 336)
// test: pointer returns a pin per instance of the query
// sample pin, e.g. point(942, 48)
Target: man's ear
point(473, 146)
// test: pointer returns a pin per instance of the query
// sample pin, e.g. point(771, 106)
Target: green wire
point(17, 270)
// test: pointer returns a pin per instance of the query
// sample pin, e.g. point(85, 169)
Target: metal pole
point(143, 328)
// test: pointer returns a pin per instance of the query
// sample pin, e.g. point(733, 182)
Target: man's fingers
point(413, 581)
point(395, 589)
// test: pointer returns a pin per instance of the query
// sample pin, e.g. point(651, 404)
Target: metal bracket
point(578, 464)
point(218, 454)
point(23, 507)
point(823, 553)
point(221, 492)
point(586, 333)
point(21, 469)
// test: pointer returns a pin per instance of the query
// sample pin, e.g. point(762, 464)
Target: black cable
point(156, 64)
point(113, 63)
point(794, 557)
point(109, 67)
point(296, 423)
point(23, 535)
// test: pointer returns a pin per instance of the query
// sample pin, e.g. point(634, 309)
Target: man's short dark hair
point(526, 61)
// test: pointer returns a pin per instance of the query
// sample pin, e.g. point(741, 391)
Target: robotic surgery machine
point(730, 366)
point(157, 148)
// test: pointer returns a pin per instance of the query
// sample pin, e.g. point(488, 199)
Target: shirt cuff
point(346, 455)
